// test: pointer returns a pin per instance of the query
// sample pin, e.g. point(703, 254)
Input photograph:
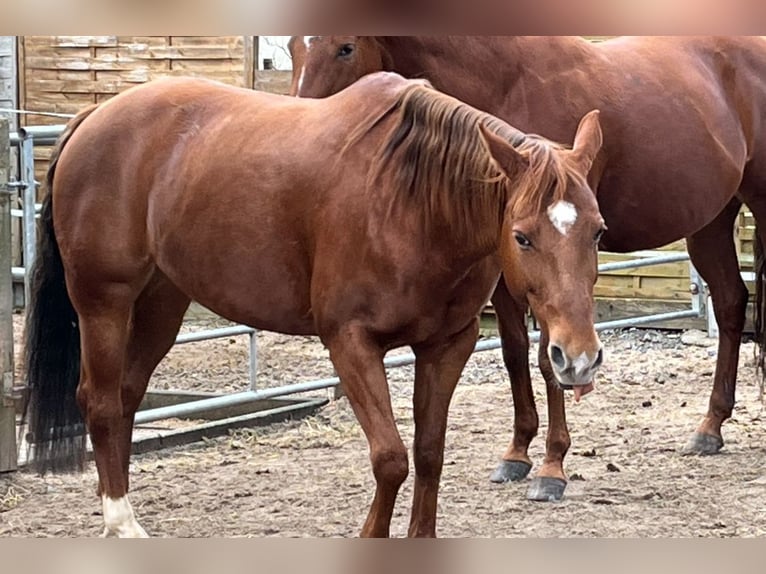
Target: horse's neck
point(483, 71)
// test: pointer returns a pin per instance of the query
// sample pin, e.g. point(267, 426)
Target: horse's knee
point(390, 466)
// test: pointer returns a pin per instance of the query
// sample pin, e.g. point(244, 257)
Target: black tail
point(52, 348)
point(759, 266)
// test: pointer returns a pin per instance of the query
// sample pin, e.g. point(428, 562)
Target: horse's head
point(324, 65)
point(550, 235)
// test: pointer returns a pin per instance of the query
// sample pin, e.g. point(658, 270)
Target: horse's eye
point(522, 240)
point(345, 50)
point(599, 234)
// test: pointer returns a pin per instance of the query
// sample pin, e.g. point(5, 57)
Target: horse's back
point(681, 115)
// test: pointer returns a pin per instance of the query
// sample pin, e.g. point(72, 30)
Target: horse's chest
point(442, 311)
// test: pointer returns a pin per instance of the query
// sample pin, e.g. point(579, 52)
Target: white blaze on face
point(307, 43)
point(562, 215)
point(300, 79)
point(120, 520)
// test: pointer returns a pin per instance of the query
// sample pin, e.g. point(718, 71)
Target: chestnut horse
point(684, 147)
point(377, 218)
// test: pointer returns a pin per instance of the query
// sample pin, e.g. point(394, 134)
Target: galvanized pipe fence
point(27, 138)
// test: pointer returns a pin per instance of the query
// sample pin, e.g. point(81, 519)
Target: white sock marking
point(300, 79)
point(119, 518)
point(562, 215)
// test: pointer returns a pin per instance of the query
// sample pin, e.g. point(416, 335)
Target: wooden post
point(8, 454)
point(251, 61)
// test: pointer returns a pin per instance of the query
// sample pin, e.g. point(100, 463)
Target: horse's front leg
point(516, 463)
point(551, 481)
point(359, 364)
point(437, 370)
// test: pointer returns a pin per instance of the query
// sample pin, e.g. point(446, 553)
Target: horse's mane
point(434, 157)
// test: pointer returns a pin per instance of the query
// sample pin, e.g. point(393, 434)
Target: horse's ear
point(588, 140)
point(505, 156)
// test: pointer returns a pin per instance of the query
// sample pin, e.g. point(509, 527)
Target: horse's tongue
point(582, 390)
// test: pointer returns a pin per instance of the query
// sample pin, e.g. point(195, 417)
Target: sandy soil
point(312, 477)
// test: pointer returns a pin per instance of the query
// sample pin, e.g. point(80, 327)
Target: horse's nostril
point(557, 357)
point(599, 359)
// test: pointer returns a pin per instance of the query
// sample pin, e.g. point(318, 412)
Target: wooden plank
point(189, 53)
point(251, 61)
point(82, 41)
point(101, 61)
point(165, 439)
point(85, 86)
point(8, 456)
point(274, 81)
point(231, 42)
point(679, 269)
point(141, 42)
point(21, 67)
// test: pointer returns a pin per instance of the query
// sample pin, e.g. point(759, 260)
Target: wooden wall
point(8, 78)
point(66, 73)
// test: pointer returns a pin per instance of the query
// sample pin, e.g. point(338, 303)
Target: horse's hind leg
point(105, 317)
point(157, 317)
point(359, 364)
point(122, 342)
point(713, 253)
point(437, 371)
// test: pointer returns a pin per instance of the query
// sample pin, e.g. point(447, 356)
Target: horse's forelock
point(546, 180)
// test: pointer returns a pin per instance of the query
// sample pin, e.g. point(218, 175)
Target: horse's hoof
point(546, 489)
point(701, 443)
point(510, 471)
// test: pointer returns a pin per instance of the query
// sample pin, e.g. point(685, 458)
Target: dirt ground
point(312, 477)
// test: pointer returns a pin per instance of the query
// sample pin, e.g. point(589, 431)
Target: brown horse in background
point(380, 217)
point(684, 147)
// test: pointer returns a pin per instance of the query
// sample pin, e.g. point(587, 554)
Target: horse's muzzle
point(574, 372)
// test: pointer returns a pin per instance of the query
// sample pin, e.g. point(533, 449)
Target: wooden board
point(7, 413)
point(64, 74)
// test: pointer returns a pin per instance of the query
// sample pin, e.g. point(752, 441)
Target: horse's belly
point(265, 289)
point(262, 311)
